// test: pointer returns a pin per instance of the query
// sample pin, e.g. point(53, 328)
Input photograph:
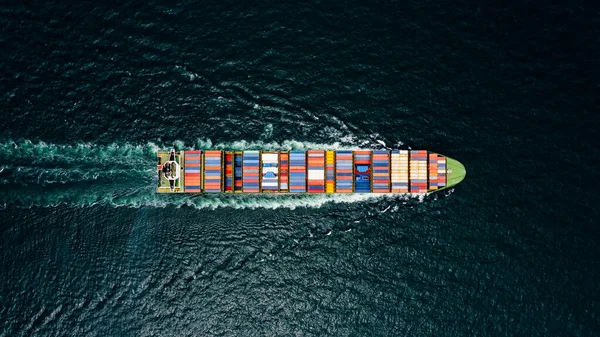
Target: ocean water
point(91, 90)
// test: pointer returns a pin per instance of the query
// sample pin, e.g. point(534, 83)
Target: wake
point(124, 175)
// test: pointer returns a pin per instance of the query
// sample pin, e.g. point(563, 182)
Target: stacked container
point(313, 171)
point(316, 171)
point(418, 171)
point(433, 171)
point(213, 171)
point(381, 171)
point(362, 171)
point(191, 177)
point(228, 171)
point(441, 163)
point(237, 172)
point(404, 170)
point(270, 171)
point(284, 165)
point(330, 171)
point(297, 171)
point(399, 163)
point(343, 171)
point(250, 171)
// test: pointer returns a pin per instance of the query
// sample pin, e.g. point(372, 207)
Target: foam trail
point(123, 175)
point(272, 146)
point(147, 198)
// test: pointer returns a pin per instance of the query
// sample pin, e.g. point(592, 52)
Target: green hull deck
point(456, 173)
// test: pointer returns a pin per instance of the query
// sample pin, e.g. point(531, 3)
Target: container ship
point(312, 171)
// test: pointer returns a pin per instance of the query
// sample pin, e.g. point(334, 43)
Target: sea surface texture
point(90, 90)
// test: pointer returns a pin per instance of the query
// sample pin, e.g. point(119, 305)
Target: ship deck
point(313, 171)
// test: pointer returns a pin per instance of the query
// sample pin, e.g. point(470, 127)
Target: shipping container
point(362, 171)
point(297, 171)
point(381, 171)
point(251, 171)
point(399, 167)
point(433, 171)
point(316, 171)
point(442, 172)
point(418, 171)
point(270, 171)
point(237, 172)
point(192, 168)
point(228, 171)
point(343, 171)
point(284, 167)
point(213, 171)
point(330, 171)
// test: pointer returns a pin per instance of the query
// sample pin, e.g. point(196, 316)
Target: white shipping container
point(316, 174)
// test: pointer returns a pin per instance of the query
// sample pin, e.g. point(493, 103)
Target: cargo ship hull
point(312, 171)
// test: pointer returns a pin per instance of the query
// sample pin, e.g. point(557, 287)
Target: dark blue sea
point(90, 90)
